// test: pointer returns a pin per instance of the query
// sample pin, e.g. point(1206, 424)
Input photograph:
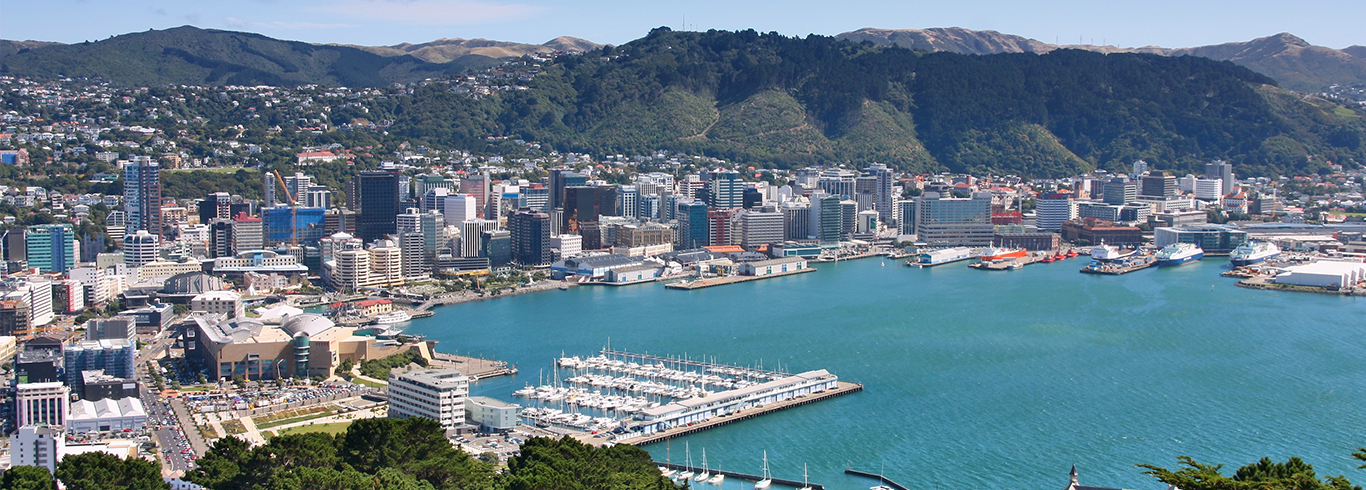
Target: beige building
point(166, 268)
point(302, 346)
point(376, 267)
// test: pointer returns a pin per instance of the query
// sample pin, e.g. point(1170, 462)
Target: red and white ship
point(992, 254)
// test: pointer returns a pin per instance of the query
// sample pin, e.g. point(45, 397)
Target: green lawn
point(332, 428)
point(362, 381)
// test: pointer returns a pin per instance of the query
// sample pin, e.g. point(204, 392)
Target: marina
point(641, 399)
point(871, 324)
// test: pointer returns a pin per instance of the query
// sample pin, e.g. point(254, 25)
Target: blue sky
point(1169, 23)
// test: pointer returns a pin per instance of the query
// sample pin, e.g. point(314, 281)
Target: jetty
point(1122, 267)
point(742, 476)
point(844, 388)
point(880, 478)
point(722, 281)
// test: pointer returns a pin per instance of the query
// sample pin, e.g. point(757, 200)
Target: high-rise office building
point(885, 179)
point(583, 204)
point(725, 190)
point(140, 248)
point(1120, 191)
point(38, 445)
point(379, 203)
point(40, 403)
point(954, 222)
point(460, 208)
point(628, 200)
point(535, 198)
point(215, 205)
point(247, 233)
point(559, 180)
point(497, 246)
point(1053, 209)
point(220, 238)
point(51, 248)
point(827, 218)
point(721, 226)
point(142, 195)
point(530, 234)
point(796, 220)
point(436, 394)
point(1223, 171)
point(1158, 184)
point(762, 228)
point(434, 199)
point(694, 230)
point(477, 185)
point(470, 233)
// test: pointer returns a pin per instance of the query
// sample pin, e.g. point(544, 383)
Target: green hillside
point(189, 55)
point(778, 101)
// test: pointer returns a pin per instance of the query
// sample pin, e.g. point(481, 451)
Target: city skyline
point(388, 22)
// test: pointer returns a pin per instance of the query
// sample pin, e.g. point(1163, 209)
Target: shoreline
point(468, 296)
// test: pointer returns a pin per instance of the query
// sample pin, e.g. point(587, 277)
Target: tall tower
point(378, 204)
point(142, 195)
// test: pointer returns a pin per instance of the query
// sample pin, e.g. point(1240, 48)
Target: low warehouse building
point(1324, 273)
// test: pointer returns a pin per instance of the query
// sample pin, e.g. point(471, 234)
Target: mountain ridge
point(1289, 59)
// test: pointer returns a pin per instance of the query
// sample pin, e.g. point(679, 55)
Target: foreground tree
point(100, 471)
point(27, 478)
point(1294, 474)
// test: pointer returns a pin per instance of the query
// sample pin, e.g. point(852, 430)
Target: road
point(167, 433)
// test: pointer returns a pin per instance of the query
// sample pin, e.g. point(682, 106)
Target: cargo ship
point(1253, 252)
point(992, 254)
point(1179, 253)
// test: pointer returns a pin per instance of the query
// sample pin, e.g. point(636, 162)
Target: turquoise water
point(979, 379)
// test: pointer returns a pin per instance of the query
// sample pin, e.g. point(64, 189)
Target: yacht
point(706, 472)
point(768, 480)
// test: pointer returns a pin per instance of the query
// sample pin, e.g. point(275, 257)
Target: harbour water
point(999, 380)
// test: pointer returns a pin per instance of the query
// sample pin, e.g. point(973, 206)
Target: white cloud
point(301, 25)
point(429, 11)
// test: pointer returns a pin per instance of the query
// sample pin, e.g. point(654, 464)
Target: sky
point(1167, 23)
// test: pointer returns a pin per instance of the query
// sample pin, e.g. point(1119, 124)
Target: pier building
point(694, 410)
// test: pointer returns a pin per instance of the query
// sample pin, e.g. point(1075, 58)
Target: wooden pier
point(880, 478)
point(722, 281)
point(742, 476)
point(844, 388)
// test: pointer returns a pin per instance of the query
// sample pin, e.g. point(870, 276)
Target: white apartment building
point(437, 394)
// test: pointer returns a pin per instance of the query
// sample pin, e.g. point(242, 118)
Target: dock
point(742, 476)
point(722, 281)
point(473, 367)
point(880, 478)
point(1117, 268)
point(844, 388)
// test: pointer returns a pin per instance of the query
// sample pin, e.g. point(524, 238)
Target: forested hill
point(778, 101)
point(193, 56)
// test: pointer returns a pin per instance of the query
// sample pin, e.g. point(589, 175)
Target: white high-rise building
point(1211, 190)
point(1053, 210)
point(37, 445)
point(460, 208)
point(470, 232)
point(437, 394)
point(37, 293)
point(140, 248)
point(628, 197)
point(41, 403)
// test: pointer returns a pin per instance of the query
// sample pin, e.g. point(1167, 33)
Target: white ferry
point(945, 256)
point(1253, 252)
point(392, 317)
point(1108, 253)
point(1179, 253)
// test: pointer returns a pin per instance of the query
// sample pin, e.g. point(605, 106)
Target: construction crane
point(293, 211)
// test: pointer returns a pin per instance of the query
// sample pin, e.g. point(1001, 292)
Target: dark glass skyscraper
point(378, 204)
point(530, 237)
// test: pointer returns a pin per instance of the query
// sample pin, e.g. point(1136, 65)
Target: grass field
point(332, 428)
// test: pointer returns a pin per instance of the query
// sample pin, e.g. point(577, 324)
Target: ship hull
point(1175, 261)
